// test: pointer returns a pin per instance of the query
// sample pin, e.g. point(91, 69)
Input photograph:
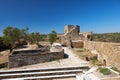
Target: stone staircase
point(42, 74)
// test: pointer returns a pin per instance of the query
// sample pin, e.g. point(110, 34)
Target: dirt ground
point(4, 56)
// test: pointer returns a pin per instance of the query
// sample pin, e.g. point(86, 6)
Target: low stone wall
point(77, 44)
point(107, 52)
point(27, 57)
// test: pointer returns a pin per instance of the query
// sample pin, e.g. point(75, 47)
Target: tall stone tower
point(71, 29)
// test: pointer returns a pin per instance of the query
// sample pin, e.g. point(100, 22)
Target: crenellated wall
point(110, 52)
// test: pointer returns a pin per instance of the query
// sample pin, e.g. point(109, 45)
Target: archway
point(104, 62)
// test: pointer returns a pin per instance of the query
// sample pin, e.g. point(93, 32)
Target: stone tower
point(71, 29)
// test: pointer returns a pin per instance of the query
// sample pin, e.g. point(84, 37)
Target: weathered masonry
point(108, 53)
point(72, 37)
point(28, 57)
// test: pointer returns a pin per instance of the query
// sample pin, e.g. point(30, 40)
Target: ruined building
point(106, 52)
point(27, 57)
point(72, 36)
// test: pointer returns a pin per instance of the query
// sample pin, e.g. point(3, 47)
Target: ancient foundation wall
point(107, 52)
point(22, 58)
point(77, 44)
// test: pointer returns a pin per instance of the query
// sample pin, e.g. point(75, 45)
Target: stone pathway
point(73, 59)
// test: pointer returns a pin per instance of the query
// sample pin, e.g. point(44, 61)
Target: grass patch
point(96, 62)
point(79, 49)
point(115, 69)
point(104, 71)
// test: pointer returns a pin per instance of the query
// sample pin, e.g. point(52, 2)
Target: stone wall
point(71, 34)
point(71, 31)
point(69, 28)
point(27, 57)
point(108, 52)
point(77, 44)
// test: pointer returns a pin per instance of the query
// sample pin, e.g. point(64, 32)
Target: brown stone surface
point(110, 52)
point(84, 54)
point(117, 78)
point(27, 57)
point(72, 33)
point(77, 44)
point(4, 56)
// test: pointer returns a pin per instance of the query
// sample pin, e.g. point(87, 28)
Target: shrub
point(105, 71)
point(115, 69)
point(96, 62)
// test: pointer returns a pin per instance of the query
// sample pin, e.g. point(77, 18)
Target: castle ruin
point(72, 36)
point(105, 51)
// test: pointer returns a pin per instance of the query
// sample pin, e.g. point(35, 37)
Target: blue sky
point(99, 16)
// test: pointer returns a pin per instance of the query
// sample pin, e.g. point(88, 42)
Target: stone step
point(35, 74)
point(44, 77)
point(43, 69)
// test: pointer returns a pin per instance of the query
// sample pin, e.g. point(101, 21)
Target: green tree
point(12, 36)
point(43, 37)
point(52, 37)
point(107, 37)
point(34, 38)
point(24, 34)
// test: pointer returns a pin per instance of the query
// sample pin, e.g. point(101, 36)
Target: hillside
point(107, 37)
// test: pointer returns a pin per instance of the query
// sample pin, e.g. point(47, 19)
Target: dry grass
point(4, 57)
point(83, 53)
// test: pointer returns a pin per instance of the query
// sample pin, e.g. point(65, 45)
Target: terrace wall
point(109, 52)
point(28, 57)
